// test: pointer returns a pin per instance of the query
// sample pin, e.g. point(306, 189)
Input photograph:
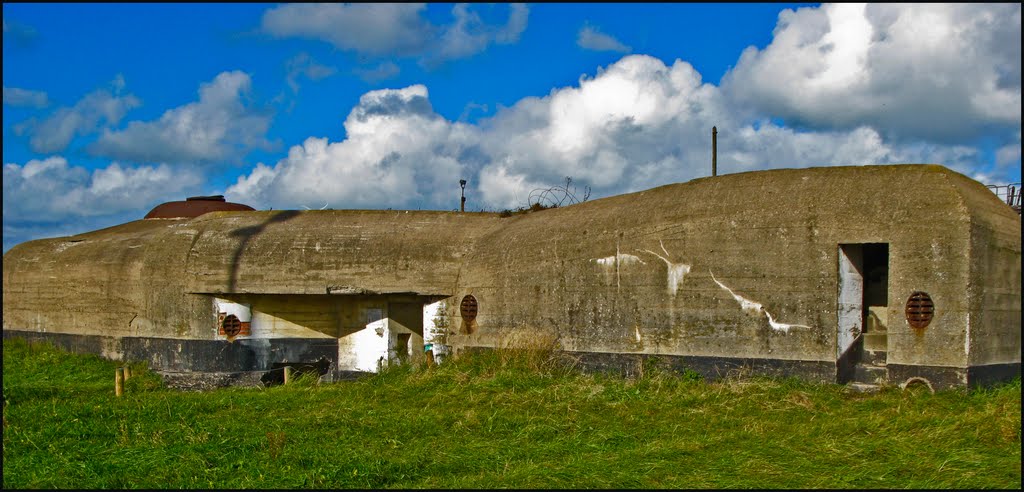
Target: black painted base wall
point(949, 377)
point(992, 374)
point(714, 368)
point(176, 355)
point(711, 368)
point(219, 357)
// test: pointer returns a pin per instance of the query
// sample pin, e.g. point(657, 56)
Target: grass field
point(498, 420)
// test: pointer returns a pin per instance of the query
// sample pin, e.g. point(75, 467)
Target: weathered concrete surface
point(737, 268)
point(156, 277)
point(670, 270)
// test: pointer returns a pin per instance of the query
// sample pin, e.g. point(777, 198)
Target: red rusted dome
point(194, 207)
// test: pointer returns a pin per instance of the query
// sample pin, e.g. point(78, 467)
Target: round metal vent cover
point(468, 308)
point(231, 325)
point(920, 310)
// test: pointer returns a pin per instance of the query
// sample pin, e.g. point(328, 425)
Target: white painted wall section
point(242, 311)
point(362, 350)
point(435, 329)
point(851, 298)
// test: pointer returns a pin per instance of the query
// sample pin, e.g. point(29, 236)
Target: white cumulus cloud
point(46, 197)
point(935, 71)
point(398, 152)
point(218, 127)
point(636, 124)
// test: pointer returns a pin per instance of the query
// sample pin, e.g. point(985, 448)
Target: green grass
point(495, 420)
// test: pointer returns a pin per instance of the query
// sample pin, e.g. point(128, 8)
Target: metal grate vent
point(468, 308)
point(231, 326)
point(920, 310)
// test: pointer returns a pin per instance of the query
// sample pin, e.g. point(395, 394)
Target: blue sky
point(111, 109)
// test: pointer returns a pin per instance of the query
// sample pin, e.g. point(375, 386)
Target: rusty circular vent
point(231, 325)
point(920, 310)
point(468, 308)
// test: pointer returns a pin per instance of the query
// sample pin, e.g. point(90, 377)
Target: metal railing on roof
point(1009, 194)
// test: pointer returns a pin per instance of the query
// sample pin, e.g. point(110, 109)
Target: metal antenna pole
point(714, 151)
point(462, 206)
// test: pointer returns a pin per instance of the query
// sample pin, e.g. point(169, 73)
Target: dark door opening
point(862, 306)
point(876, 291)
point(402, 350)
point(406, 324)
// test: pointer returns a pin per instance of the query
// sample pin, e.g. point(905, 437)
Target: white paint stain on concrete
point(616, 261)
point(675, 271)
point(783, 327)
point(636, 329)
point(756, 307)
point(618, 258)
point(745, 304)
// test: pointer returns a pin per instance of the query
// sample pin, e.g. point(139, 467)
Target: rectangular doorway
point(406, 326)
point(876, 299)
point(862, 306)
point(402, 350)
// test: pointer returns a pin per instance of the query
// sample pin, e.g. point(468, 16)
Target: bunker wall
point(742, 266)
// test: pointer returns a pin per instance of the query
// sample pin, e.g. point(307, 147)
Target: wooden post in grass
point(119, 381)
point(287, 374)
point(127, 372)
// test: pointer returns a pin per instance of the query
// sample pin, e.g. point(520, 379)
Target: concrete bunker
point(906, 271)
